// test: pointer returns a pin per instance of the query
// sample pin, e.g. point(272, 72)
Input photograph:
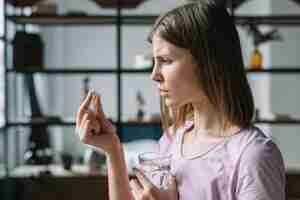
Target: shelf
point(136, 71)
point(275, 70)
point(80, 70)
point(44, 123)
point(83, 70)
point(72, 123)
point(46, 20)
point(279, 122)
point(274, 20)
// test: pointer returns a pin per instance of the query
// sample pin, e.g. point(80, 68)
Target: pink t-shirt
point(247, 166)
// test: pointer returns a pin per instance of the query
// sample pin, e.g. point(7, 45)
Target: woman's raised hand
point(93, 128)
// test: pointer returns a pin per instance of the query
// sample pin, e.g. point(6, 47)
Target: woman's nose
point(156, 74)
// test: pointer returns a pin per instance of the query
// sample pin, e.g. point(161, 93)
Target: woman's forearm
point(118, 180)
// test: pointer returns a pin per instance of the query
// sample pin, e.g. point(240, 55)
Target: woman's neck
point(206, 118)
point(208, 121)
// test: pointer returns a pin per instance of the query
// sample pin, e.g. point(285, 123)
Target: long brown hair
point(209, 33)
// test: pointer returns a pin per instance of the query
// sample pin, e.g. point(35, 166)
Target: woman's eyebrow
point(162, 56)
point(158, 57)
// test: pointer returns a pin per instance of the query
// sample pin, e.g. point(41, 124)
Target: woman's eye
point(166, 61)
point(162, 61)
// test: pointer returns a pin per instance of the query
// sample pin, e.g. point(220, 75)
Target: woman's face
point(175, 71)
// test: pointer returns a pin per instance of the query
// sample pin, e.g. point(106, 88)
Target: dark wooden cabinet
point(86, 188)
point(293, 186)
point(59, 188)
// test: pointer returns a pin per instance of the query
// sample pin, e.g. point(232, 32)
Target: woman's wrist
point(115, 148)
point(115, 159)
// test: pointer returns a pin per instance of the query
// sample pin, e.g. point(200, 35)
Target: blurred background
point(53, 51)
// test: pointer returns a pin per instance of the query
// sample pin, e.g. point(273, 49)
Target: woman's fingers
point(149, 191)
point(83, 133)
point(84, 107)
point(86, 128)
point(172, 187)
point(136, 189)
point(99, 111)
point(145, 182)
point(83, 121)
point(172, 183)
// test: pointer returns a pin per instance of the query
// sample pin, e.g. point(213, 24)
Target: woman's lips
point(163, 92)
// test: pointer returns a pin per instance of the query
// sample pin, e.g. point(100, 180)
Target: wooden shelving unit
point(118, 21)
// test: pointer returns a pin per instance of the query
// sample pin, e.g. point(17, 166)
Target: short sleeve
point(261, 174)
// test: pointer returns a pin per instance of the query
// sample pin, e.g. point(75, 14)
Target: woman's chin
point(171, 104)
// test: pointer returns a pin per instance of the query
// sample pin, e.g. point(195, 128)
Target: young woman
point(217, 151)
